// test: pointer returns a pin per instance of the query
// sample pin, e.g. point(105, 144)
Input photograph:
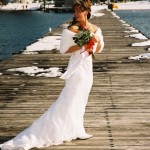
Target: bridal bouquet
point(85, 38)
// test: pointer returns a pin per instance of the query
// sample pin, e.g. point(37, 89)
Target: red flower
point(89, 45)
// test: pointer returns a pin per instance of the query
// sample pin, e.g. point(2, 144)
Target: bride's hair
point(83, 5)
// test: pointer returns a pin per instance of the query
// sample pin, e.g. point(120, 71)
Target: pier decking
point(118, 110)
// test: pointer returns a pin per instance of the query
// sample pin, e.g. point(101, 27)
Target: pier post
point(44, 5)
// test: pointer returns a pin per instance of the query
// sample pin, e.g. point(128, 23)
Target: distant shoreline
point(137, 5)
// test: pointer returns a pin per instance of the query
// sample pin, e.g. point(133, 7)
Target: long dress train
point(63, 121)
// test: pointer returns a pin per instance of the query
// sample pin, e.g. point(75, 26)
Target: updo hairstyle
point(83, 5)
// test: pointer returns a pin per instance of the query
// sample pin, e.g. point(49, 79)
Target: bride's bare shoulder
point(94, 27)
point(74, 28)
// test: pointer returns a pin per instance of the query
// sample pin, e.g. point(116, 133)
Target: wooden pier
point(118, 110)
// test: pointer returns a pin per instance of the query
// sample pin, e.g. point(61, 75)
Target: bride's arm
point(76, 47)
point(67, 44)
point(73, 49)
point(98, 47)
point(100, 41)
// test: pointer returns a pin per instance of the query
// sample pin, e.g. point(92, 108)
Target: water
point(140, 19)
point(20, 29)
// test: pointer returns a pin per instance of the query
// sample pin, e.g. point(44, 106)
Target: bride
point(63, 121)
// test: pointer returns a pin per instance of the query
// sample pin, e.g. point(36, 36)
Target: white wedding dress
point(63, 121)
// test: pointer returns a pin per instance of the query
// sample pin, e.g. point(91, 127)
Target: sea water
point(140, 19)
point(19, 29)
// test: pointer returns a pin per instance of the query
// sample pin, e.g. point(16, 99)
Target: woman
point(63, 121)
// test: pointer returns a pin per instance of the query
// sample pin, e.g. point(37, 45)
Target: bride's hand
point(96, 38)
